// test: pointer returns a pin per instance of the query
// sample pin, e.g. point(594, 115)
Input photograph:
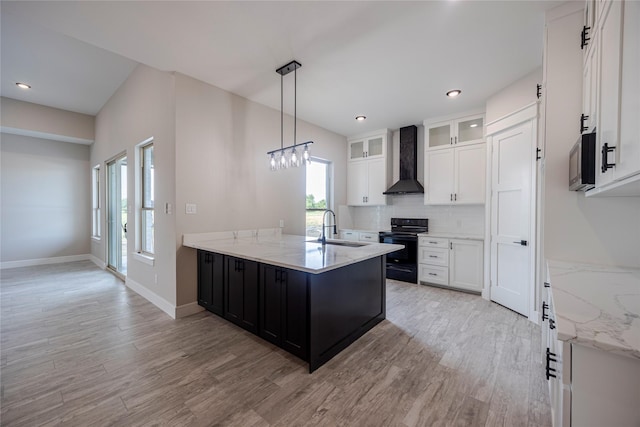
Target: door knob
point(522, 242)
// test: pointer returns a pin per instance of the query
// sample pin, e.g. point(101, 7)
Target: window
point(146, 200)
point(95, 208)
point(318, 195)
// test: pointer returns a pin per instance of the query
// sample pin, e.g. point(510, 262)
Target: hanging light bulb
point(283, 160)
point(272, 162)
point(306, 155)
point(295, 162)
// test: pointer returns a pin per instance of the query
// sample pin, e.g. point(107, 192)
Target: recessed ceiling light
point(23, 85)
point(361, 118)
point(473, 125)
point(453, 93)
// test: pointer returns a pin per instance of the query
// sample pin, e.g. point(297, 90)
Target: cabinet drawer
point(433, 256)
point(434, 242)
point(369, 237)
point(349, 235)
point(433, 274)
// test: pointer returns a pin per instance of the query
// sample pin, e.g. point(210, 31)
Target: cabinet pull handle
point(432, 274)
point(433, 256)
point(583, 119)
point(547, 284)
point(552, 324)
point(545, 307)
point(455, 197)
point(451, 141)
point(432, 242)
point(551, 357)
point(605, 163)
point(451, 197)
point(450, 245)
point(455, 139)
point(278, 275)
point(584, 37)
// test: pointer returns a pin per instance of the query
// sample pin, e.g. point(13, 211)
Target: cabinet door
point(211, 281)
point(609, 112)
point(438, 187)
point(629, 156)
point(440, 135)
point(377, 182)
point(283, 302)
point(357, 149)
point(466, 264)
point(241, 292)
point(469, 130)
point(470, 174)
point(376, 147)
point(357, 183)
point(294, 313)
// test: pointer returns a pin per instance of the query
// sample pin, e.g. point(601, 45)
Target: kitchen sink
point(336, 243)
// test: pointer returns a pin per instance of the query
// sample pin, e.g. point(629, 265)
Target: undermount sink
point(335, 243)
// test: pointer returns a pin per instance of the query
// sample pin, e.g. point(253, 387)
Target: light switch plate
point(190, 208)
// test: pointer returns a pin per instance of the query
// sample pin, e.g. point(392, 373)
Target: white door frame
point(522, 115)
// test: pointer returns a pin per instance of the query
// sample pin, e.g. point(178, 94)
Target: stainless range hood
point(408, 183)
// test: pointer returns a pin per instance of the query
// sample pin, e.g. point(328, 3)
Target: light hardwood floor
point(79, 348)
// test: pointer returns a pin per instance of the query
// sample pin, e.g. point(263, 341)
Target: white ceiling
point(391, 61)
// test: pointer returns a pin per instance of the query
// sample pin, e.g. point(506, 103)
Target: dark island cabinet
point(211, 281)
point(283, 309)
point(241, 293)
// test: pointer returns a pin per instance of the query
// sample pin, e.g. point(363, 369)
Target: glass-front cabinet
point(367, 148)
point(466, 130)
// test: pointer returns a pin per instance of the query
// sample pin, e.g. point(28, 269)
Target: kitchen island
point(310, 299)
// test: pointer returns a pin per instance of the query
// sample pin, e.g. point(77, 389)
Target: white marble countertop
point(301, 253)
point(598, 306)
point(454, 235)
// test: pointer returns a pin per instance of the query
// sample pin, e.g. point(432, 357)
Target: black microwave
point(582, 163)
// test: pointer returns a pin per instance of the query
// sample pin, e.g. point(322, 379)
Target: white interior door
point(511, 220)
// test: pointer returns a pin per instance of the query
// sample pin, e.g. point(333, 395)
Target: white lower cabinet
point(455, 263)
point(349, 235)
point(361, 236)
point(588, 387)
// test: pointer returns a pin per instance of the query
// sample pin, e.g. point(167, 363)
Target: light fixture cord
point(295, 103)
point(281, 112)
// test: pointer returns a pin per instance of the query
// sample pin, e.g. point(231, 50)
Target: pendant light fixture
point(285, 157)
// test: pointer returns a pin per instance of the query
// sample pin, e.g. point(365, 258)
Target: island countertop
point(300, 253)
point(598, 306)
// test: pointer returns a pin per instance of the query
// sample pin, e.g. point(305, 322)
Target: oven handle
point(402, 239)
point(396, 268)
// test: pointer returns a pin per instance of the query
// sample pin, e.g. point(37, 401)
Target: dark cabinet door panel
point(241, 293)
point(294, 313)
point(211, 281)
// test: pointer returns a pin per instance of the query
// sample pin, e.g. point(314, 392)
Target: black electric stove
point(403, 264)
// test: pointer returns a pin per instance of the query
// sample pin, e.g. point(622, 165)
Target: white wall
point(594, 230)
point(44, 198)
point(25, 118)
point(222, 167)
point(143, 107)
point(514, 96)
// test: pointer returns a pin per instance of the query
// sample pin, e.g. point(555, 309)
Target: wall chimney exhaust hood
point(408, 183)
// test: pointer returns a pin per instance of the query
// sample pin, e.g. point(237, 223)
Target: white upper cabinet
point(467, 130)
point(363, 148)
point(455, 161)
point(368, 169)
point(455, 176)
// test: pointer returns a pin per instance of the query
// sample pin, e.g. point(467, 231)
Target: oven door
point(408, 255)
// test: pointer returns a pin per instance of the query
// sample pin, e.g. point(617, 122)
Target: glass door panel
point(440, 135)
point(375, 147)
point(470, 130)
point(356, 150)
point(117, 215)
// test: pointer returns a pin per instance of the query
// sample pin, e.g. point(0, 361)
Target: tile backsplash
point(462, 219)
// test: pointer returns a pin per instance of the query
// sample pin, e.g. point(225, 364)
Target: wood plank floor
point(79, 348)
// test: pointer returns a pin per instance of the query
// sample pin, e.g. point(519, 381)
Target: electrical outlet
point(190, 208)
point(282, 223)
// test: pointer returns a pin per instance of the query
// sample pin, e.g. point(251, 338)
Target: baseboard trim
point(97, 261)
point(44, 261)
point(185, 310)
point(151, 296)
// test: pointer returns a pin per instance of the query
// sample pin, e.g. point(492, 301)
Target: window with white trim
point(95, 204)
point(147, 200)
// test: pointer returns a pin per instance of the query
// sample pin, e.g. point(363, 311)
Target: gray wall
point(45, 204)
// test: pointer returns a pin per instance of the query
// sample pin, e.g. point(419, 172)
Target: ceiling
point(388, 60)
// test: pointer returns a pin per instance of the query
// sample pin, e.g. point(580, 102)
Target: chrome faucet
point(323, 238)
